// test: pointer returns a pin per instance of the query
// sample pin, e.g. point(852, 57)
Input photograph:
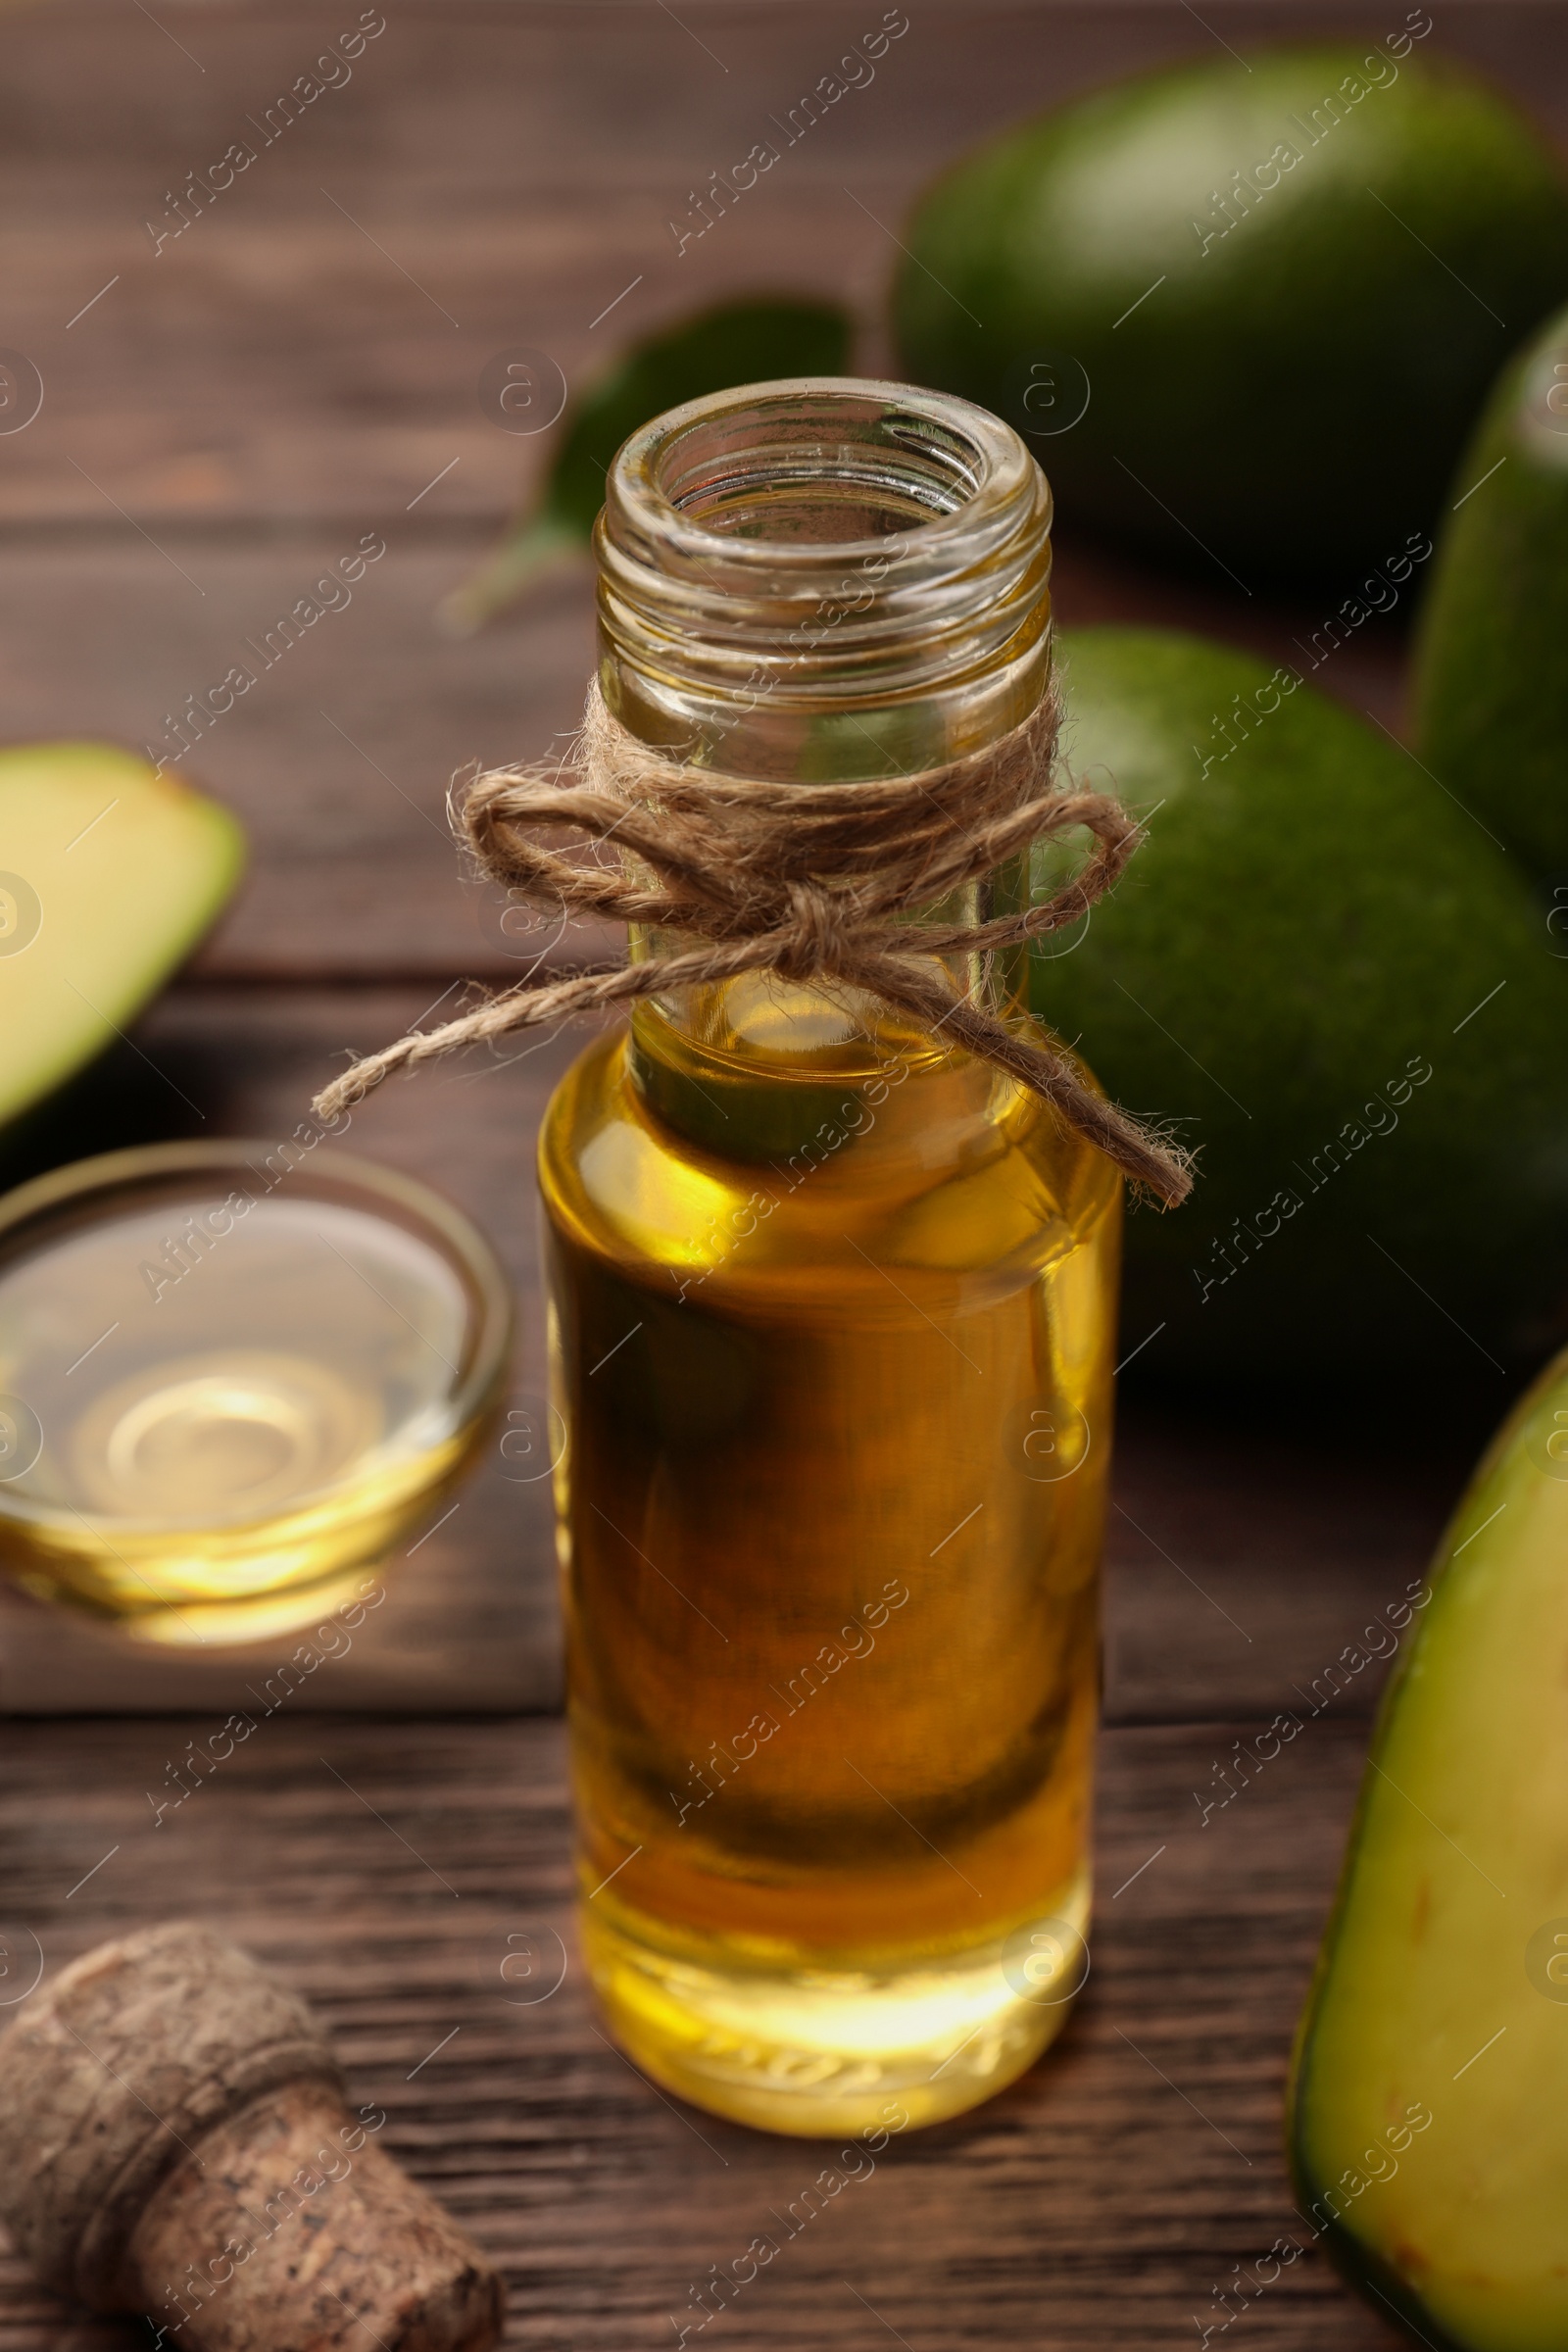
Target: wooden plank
point(255, 396)
point(1096, 2203)
point(1250, 1572)
point(518, 169)
point(1241, 1563)
point(470, 1621)
point(270, 387)
point(338, 758)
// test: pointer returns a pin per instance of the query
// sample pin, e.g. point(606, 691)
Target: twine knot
point(814, 946)
point(816, 882)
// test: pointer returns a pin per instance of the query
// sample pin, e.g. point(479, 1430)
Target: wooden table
point(225, 414)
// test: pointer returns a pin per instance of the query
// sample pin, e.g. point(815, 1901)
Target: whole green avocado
point(1246, 313)
point(1323, 971)
point(1491, 654)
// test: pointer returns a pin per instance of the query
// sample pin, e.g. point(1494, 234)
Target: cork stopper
point(174, 2139)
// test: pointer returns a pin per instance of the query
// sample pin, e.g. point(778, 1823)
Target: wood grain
point(469, 1621)
point(519, 169)
point(1240, 1564)
point(338, 758)
point(1096, 2203)
point(237, 407)
point(223, 418)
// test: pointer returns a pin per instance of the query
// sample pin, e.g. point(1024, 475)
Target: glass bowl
point(231, 1375)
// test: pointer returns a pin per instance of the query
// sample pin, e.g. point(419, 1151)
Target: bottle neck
point(822, 583)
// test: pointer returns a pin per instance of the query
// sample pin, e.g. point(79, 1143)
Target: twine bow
point(806, 880)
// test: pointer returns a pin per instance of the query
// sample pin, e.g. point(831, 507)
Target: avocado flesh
point(1308, 914)
point(1492, 677)
point(1279, 368)
point(1455, 1885)
point(108, 874)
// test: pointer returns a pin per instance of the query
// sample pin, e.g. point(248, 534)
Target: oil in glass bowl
point(226, 1386)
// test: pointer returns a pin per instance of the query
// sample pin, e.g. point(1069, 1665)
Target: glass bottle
point(832, 1316)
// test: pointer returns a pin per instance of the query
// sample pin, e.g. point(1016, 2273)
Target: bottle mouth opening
point(830, 529)
point(834, 472)
point(818, 469)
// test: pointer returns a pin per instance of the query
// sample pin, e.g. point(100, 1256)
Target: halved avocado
point(1429, 2099)
point(110, 873)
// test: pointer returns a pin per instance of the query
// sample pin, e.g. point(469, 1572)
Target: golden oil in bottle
point(832, 1319)
point(221, 1393)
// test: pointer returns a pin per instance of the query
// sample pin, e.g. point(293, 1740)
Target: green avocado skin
point(746, 342)
point(1434, 1925)
point(1491, 654)
point(1277, 388)
point(1310, 925)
